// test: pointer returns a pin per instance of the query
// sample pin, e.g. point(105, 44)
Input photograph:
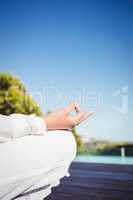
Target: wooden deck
point(89, 181)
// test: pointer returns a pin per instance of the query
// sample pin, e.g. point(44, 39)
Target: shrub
point(80, 145)
point(14, 97)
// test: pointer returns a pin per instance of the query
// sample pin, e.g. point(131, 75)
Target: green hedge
point(14, 97)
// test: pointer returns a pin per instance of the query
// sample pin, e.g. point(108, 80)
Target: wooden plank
point(92, 181)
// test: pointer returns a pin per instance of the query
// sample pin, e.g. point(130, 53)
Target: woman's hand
point(62, 120)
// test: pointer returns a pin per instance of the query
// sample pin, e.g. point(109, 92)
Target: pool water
point(104, 159)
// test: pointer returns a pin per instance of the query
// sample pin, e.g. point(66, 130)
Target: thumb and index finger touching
point(72, 106)
point(81, 116)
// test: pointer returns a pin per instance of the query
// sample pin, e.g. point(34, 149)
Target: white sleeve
point(18, 125)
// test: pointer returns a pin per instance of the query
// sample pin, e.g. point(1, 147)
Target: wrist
point(48, 122)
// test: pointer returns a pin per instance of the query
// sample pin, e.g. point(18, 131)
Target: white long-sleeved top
point(19, 125)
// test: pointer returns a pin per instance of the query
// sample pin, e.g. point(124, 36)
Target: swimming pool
point(104, 159)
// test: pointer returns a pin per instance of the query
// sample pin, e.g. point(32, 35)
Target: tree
point(14, 97)
point(80, 145)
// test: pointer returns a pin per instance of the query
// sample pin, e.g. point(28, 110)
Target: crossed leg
point(34, 162)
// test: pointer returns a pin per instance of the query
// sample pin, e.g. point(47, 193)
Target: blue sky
point(78, 49)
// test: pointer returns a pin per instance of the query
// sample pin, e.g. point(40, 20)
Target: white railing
point(123, 155)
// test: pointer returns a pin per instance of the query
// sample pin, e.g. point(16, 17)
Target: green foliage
point(80, 145)
point(14, 97)
point(103, 147)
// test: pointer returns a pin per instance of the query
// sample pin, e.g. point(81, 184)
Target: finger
point(78, 117)
point(72, 106)
point(81, 117)
point(86, 116)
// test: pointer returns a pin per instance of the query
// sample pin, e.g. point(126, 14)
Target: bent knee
point(65, 142)
point(69, 144)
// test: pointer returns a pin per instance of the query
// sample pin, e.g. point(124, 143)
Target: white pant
point(31, 162)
